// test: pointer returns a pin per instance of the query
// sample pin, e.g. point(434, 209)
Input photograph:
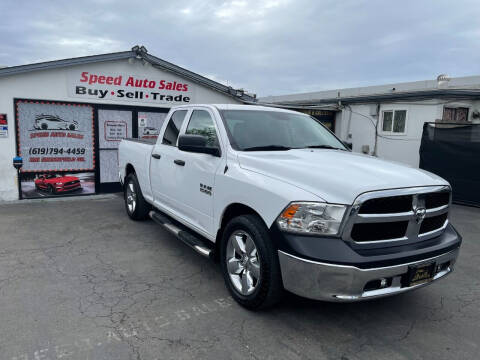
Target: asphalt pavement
point(79, 280)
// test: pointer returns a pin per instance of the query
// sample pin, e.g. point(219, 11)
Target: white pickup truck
point(281, 203)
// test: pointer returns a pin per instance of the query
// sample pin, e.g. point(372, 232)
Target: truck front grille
point(379, 231)
point(437, 199)
point(387, 205)
point(433, 223)
point(403, 215)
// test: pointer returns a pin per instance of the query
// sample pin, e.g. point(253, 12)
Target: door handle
point(179, 162)
point(156, 156)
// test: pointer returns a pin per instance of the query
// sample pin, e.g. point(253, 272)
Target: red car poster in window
point(48, 184)
point(55, 136)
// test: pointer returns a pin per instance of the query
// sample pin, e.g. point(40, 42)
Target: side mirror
point(196, 144)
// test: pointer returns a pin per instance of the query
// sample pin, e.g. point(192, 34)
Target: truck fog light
point(381, 283)
point(312, 218)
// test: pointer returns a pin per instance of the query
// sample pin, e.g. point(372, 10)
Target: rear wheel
point(136, 206)
point(250, 263)
point(44, 126)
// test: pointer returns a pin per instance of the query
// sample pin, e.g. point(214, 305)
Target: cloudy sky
point(268, 47)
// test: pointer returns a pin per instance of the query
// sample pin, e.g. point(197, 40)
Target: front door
point(195, 174)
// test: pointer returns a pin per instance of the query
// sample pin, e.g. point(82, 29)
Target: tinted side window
point(201, 123)
point(173, 128)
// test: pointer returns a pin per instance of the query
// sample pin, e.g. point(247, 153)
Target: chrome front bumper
point(322, 281)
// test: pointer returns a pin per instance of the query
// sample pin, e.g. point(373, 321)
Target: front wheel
point(250, 263)
point(136, 206)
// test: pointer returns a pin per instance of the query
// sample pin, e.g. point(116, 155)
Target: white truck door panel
point(163, 171)
point(196, 178)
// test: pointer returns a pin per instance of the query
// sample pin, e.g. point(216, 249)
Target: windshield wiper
point(268, 148)
point(323, 147)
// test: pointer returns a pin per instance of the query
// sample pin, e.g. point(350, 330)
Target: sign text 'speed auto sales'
point(131, 81)
point(125, 87)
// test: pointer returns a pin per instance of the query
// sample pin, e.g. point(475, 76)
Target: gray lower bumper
point(321, 281)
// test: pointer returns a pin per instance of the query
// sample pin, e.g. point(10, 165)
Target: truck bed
point(138, 153)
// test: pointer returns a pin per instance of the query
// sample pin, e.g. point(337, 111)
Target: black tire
point(71, 127)
point(141, 208)
point(269, 288)
point(51, 190)
point(44, 126)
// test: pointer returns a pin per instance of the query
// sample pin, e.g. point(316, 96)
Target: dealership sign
point(124, 87)
point(55, 136)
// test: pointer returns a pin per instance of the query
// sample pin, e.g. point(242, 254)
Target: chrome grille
point(399, 215)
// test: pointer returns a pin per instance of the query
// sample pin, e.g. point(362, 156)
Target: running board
point(182, 233)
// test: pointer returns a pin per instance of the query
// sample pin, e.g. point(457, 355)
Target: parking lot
point(79, 280)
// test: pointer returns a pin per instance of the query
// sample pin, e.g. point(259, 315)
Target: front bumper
point(330, 282)
point(68, 188)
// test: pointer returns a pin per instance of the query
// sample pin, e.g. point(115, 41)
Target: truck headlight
point(312, 218)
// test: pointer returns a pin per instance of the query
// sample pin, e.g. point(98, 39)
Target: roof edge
point(240, 95)
point(18, 69)
point(168, 66)
point(410, 95)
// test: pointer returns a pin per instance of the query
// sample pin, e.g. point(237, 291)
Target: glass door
point(113, 126)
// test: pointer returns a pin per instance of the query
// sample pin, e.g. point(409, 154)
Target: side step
point(181, 232)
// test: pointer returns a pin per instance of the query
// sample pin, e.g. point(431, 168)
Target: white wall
point(403, 148)
point(52, 85)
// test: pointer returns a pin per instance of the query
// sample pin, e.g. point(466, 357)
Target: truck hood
point(333, 175)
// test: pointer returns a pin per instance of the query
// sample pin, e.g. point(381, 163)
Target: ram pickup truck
point(282, 203)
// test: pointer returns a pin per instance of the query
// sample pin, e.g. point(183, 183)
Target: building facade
point(387, 120)
point(66, 118)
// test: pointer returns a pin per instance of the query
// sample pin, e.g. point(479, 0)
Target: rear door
point(163, 171)
point(195, 173)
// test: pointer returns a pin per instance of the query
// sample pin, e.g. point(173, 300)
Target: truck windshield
point(256, 130)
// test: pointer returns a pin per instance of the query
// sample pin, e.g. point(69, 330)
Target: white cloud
point(264, 46)
point(239, 10)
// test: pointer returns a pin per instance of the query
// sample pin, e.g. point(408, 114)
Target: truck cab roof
point(235, 107)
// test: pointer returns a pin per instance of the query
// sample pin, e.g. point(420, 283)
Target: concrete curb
point(66, 198)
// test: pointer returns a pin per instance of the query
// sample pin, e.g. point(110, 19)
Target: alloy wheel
point(131, 197)
point(243, 263)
